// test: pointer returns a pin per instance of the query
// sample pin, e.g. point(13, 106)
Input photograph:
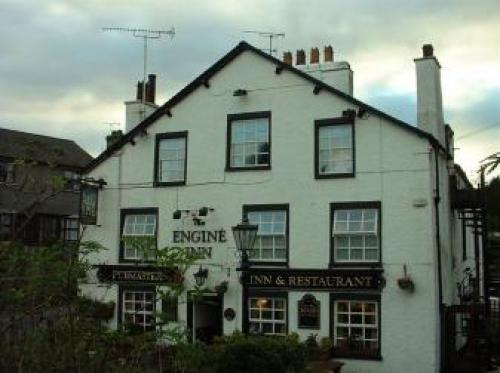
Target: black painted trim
point(348, 119)
point(243, 116)
point(356, 205)
point(122, 288)
point(219, 65)
point(142, 210)
point(169, 135)
point(271, 207)
point(264, 293)
point(464, 241)
point(357, 296)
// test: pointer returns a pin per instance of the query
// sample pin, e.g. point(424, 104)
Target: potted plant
point(103, 310)
point(221, 288)
point(405, 282)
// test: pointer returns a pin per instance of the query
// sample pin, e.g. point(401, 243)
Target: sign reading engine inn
point(342, 195)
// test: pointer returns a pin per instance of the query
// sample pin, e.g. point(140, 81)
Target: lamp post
point(244, 236)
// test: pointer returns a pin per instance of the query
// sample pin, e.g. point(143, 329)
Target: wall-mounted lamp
point(240, 92)
point(177, 214)
point(201, 276)
point(204, 211)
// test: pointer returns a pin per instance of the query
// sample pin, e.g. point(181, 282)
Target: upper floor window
point(171, 158)
point(356, 232)
point(271, 244)
point(334, 147)
point(249, 141)
point(139, 230)
point(6, 172)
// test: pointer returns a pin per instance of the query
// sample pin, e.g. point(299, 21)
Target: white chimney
point(337, 74)
point(429, 95)
point(137, 110)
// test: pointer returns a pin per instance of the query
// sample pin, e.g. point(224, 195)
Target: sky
point(62, 75)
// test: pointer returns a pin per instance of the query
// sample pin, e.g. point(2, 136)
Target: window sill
point(160, 184)
point(267, 264)
point(356, 355)
point(137, 262)
point(252, 168)
point(334, 176)
point(377, 264)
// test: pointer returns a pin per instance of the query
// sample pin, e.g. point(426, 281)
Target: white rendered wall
point(393, 166)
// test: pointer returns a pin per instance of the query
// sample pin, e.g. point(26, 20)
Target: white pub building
point(357, 239)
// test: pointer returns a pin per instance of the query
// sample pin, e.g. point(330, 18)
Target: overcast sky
point(60, 75)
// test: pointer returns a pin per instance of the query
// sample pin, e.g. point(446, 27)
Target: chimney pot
point(151, 88)
point(287, 58)
point(139, 91)
point(301, 57)
point(314, 58)
point(428, 50)
point(328, 53)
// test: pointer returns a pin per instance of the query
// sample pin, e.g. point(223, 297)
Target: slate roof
point(44, 149)
point(204, 79)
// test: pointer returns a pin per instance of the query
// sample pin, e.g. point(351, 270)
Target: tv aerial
point(267, 34)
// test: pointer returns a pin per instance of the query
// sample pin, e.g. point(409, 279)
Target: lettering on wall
point(331, 279)
point(197, 239)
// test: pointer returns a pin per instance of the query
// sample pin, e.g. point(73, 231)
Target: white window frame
point(128, 215)
point(257, 253)
point(256, 324)
point(352, 325)
point(178, 156)
point(142, 311)
point(242, 148)
point(346, 229)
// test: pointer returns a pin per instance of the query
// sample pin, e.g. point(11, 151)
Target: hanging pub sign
point(320, 279)
point(138, 274)
point(88, 204)
point(308, 312)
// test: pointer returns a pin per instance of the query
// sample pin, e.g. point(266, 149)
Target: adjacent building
point(39, 187)
point(357, 237)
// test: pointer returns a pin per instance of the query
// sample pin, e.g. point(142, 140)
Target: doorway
point(204, 317)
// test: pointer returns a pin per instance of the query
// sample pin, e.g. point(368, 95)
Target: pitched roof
point(203, 79)
point(44, 149)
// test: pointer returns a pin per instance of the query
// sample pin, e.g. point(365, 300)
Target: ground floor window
point(356, 325)
point(6, 226)
point(138, 307)
point(267, 315)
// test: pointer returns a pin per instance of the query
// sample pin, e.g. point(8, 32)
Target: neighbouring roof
point(204, 78)
point(44, 149)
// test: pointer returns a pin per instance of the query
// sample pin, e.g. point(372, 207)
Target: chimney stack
point(137, 110)
point(337, 74)
point(429, 96)
point(113, 137)
point(287, 58)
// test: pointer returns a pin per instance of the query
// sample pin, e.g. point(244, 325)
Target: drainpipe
point(437, 199)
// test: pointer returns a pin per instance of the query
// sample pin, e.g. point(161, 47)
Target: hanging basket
point(406, 283)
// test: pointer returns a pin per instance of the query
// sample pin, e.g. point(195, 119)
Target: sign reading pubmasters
point(310, 279)
point(137, 274)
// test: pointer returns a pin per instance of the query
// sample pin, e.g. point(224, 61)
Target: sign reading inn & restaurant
point(315, 279)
